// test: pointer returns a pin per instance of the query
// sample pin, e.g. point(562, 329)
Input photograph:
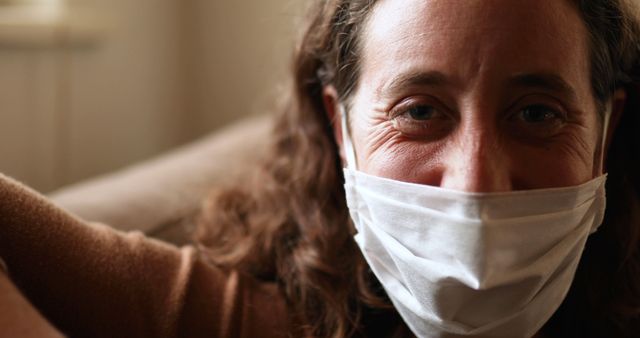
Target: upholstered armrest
point(158, 195)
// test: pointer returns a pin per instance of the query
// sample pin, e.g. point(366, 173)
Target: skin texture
point(475, 95)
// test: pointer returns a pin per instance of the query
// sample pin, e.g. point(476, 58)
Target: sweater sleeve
point(90, 280)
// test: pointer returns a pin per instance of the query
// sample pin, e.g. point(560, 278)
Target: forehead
point(471, 38)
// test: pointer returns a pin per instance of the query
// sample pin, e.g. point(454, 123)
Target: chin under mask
point(458, 264)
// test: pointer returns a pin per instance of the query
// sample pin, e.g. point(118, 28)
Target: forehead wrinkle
point(396, 43)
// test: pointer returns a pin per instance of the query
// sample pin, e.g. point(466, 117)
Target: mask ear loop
point(605, 132)
point(605, 125)
point(347, 145)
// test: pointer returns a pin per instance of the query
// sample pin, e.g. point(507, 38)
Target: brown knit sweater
point(86, 280)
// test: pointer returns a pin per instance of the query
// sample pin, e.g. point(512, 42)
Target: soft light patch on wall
point(44, 11)
point(46, 23)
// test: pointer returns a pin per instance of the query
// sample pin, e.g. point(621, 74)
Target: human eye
point(538, 114)
point(537, 120)
point(421, 118)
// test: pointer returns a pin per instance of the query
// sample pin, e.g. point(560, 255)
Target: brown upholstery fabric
point(160, 196)
point(90, 280)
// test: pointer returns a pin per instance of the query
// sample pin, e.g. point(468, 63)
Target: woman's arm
point(90, 280)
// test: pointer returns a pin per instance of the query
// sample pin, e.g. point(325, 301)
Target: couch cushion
point(160, 196)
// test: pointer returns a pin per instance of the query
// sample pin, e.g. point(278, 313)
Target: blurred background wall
point(89, 86)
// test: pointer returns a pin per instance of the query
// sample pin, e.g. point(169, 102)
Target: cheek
point(383, 151)
point(547, 168)
point(408, 162)
point(569, 160)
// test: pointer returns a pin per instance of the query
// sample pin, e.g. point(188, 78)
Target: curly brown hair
point(289, 223)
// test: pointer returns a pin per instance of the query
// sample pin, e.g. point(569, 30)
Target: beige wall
point(240, 55)
point(161, 72)
point(27, 115)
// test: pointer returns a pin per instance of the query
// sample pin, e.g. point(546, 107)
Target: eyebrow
point(546, 81)
point(541, 80)
point(415, 79)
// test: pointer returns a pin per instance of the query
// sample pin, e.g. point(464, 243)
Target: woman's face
point(476, 95)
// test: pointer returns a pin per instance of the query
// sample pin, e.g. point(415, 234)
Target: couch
point(161, 196)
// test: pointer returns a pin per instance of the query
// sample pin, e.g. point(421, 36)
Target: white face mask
point(471, 264)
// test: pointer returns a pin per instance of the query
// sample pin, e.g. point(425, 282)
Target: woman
point(294, 226)
point(471, 102)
